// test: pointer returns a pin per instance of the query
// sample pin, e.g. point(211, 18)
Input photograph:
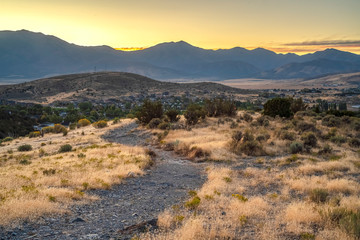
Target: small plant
point(100, 124)
point(25, 148)
point(309, 139)
point(65, 148)
point(164, 126)
point(85, 185)
point(34, 134)
point(307, 236)
point(247, 117)
point(240, 197)
point(72, 126)
point(172, 115)
point(194, 203)
point(296, 147)
point(116, 120)
point(237, 136)
point(243, 219)
point(52, 198)
point(49, 172)
point(83, 123)
point(319, 195)
point(192, 193)
point(58, 128)
point(81, 155)
point(227, 179)
point(354, 142)
point(25, 162)
point(7, 139)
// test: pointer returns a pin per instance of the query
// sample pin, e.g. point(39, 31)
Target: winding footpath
point(125, 208)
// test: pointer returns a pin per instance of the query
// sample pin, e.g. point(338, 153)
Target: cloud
point(343, 43)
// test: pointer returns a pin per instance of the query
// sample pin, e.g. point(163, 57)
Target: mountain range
point(28, 55)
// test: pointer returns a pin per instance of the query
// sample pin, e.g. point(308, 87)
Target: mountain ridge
point(29, 55)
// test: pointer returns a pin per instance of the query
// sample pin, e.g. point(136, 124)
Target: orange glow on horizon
point(130, 49)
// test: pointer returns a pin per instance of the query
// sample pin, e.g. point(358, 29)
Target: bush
point(302, 126)
point(309, 139)
point(48, 129)
point(65, 148)
point(194, 113)
point(285, 135)
point(338, 139)
point(327, 149)
point(100, 124)
point(319, 195)
point(164, 126)
point(220, 107)
point(331, 121)
point(7, 139)
point(72, 126)
point(116, 120)
point(247, 117)
point(172, 115)
point(58, 128)
point(83, 123)
point(251, 148)
point(237, 136)
point(149, 110)
point(296, 147)
point(354, 142)
point(154, 123)
point(25, 148)
point(278, 106)
point(263, 121)
point(34, 134)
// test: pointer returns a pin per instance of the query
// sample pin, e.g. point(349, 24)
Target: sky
point(298, 26)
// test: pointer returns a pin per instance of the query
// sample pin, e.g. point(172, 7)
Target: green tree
point(149, 110)
point(194, 113)
point(278, 106)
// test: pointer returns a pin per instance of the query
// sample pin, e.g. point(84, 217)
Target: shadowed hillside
point(104, 86)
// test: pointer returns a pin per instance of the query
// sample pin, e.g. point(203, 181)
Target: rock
point(78, 219)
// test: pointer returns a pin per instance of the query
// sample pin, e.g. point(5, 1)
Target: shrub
point(354, 142)
point(100, 124)
point(72, 126)
point(233, 125)
point(116, 120)
point(309, 139)
point(149, 110)
point(251, 148)
point(83, 123)
point(25, 148)
point(237, 136)
point(172, 115)
point(164, 126)
point(338, 139)
point(331, 121)
point(327, 149)
point(154, 123)
point(247, 117)
point(194, 203)
point(351, 224)
point(58, 128)
point(65, 148)
point(193, 113)
point(7, 139)
point(220, 107)
point(263, 137)
point(319, 195)
point(34, 134)
point(248, 136)
point(263, 121)
point(296, 147)
point(278, 106)
point(285, 135)
point(302, 126)
point(48, 129)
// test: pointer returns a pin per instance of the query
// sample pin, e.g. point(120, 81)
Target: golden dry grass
point(45, 181)
point(264, 197)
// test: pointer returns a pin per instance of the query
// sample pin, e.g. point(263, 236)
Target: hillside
point(104, 86)
point(26, 55)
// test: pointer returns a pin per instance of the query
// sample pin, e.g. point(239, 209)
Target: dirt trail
point(126, 207)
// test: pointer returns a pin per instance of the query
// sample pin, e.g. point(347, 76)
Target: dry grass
point(44, 181)
point(265, 197)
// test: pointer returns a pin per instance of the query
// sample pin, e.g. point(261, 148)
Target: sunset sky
point(298, 26)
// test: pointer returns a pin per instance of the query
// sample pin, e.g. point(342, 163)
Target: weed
point(319, 195)
point(240, 197)
point(25, 148)
point(227, 179)
point(193, 203)
point(65, 148)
